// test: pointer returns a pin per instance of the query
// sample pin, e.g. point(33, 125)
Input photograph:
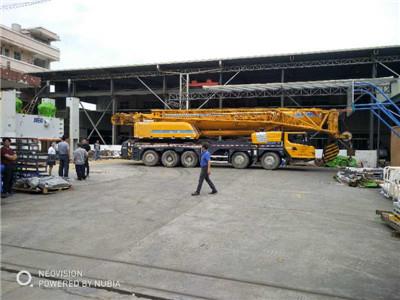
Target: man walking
point(205, 165)
point(63, 153)
point(85, 145)
point(97, 150)
point(8, 158)
point(80, 156)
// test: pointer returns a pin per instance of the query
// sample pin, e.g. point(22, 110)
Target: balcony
point(19, 65)
point(25, 42)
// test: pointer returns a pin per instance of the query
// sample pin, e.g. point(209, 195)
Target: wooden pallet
point(51, 191)
point(391, 219)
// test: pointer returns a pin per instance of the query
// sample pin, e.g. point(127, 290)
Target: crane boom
point(244, 121)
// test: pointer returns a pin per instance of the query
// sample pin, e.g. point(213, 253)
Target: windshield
point(298, 138)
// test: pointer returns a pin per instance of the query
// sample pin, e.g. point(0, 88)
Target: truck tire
point(240, 160)
point(150, 158)
point(270, 161)
point(170, 159)
point(189, 159)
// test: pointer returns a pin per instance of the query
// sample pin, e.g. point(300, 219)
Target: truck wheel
point(170, 159)
point(270, 161)
point(150, 158)
point(240, 160)
point(189, 159)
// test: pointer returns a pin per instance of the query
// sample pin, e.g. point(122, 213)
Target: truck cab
point(297, 146)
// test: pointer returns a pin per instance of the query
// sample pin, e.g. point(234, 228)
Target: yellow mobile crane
point(274, 137)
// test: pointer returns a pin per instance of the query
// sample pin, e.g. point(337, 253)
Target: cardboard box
point(395, 148)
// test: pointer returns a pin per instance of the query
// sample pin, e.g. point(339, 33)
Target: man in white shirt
point(51, 158)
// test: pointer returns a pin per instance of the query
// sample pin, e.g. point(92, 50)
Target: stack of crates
point(31, 161)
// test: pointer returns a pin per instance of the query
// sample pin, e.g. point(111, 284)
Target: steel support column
point(164, 88)
point(180, 91)
point(113, 110)
point(187, 91)
point(371, 116)
point(282, 81)
point(220, 96)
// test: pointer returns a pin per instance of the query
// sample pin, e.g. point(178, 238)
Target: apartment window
point(41, 63)
point(17, 55)
point(5, 51)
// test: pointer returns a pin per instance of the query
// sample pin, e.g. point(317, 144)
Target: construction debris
point(43, 185)
point(105, 154)
point(360, 177)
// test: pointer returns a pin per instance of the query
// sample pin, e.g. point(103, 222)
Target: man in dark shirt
point(85, 145)
point(8, 159)
point(205, 165)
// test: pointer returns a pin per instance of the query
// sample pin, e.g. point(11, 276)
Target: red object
point(208, 82)
point(27, 79)
point(4, 159)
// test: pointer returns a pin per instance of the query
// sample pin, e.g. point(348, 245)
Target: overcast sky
point(103, 33)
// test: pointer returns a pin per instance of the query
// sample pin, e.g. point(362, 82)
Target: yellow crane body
point(162, 130)
point(274, 135)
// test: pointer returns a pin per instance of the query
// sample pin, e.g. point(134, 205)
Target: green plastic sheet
point(47, 109)
point(341, 161)
point(18, 105)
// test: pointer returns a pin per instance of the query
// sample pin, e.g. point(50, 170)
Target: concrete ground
point(286, 234)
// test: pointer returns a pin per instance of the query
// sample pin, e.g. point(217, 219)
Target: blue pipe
point(386, 123)
point(380, 92)
point(383, 108)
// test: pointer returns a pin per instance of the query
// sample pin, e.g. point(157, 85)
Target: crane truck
point(242, 137)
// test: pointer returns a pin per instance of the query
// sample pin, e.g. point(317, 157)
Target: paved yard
point(286, 234)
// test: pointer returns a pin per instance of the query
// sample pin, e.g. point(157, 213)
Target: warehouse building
point(319, 79)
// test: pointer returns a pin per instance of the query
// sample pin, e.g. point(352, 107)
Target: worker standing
point(63, 153)
point(8, 158)
point(97, 150)
point(205, 165)
point(51, 157)
point(80, 156)
point(85, 145)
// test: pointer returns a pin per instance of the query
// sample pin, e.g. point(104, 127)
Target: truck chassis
point(241, 154)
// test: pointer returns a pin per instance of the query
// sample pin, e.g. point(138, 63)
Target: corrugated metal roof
point(384, 81)
point(232, 60)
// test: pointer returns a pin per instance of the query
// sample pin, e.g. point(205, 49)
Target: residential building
point(27, 50)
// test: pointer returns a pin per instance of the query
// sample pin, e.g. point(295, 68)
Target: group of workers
point(55, 152)
point(80, 158)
